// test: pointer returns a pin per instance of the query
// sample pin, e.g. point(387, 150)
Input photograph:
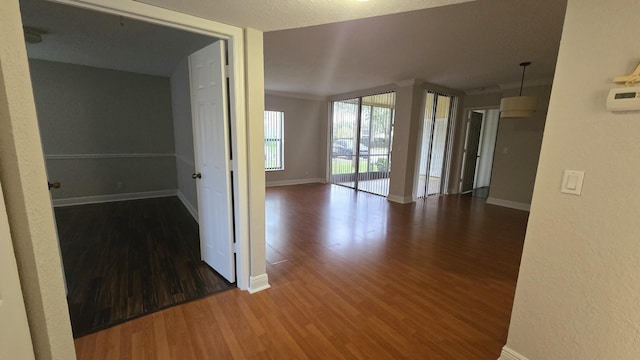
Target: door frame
point(448, 147)
point(466, 111)
point(465, 155)
point(238, 106)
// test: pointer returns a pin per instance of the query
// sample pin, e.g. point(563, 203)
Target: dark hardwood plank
point(353, 277)
point(130, 258)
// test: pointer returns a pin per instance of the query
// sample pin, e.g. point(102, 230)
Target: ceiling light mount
point(519, 106)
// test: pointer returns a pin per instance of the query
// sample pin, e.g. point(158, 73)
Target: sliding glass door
point(438, 112)
point(362, 129)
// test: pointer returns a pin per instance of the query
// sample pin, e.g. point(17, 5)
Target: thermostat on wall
point(624, 99)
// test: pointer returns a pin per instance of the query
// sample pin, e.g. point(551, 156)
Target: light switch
point(572, 182)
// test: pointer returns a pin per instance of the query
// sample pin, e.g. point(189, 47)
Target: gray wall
point(305, 139)
point(517, 146)
point(183, 134)
point(103, 127)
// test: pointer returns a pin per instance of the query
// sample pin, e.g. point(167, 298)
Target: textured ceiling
point(269, 15)
point(466, 46)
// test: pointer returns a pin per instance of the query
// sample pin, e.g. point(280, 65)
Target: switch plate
point(572, 182)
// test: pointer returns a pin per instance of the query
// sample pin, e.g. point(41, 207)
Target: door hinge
point(235, 247)
point(226, 71)
point(232, 165)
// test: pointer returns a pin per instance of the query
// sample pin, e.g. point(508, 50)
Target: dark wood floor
point(129, 258)
point(353, 277)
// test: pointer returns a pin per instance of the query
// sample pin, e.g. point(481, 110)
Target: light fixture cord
point(524, 68)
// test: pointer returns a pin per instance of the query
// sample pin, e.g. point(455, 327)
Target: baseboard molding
point(258, 283)
point(113, 197)
point(508, 354)
point(509, 204)
point(400, 199)
point(295, 182)
point(192, 209)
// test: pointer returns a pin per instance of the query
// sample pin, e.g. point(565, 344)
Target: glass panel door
point(435, 135)
point(344, 141)
point(362, 129)
point(376, 126)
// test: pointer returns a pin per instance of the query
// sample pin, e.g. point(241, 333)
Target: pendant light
point(519, 106)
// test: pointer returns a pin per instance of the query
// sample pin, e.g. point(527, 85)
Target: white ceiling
point(269, 15)
point(466, 46)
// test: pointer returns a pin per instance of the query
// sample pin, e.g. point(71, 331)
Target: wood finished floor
point(353, 277)
point(129, 258)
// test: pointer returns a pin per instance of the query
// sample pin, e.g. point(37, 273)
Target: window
point(273, 140)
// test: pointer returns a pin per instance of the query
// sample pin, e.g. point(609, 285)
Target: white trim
point(258, 283)
point(295, 182)
point(409, 82)
point(192, 209)
point(237, 93)
point(295, 95)
point(112, 197)
point(509, 204)
point(106, 156)
point(508, 354)
point(186, 161)
point(400, 199)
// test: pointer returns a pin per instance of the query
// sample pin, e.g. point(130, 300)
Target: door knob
point(55, 185)
point(196, 176)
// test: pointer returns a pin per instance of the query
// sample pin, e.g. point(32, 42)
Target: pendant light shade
point(519, 106)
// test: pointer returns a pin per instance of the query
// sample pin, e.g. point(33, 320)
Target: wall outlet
point(120, 185)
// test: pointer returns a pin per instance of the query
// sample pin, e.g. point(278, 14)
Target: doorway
point(434, 143)
point(109, 139)
point(479, 147)
point(361, 140)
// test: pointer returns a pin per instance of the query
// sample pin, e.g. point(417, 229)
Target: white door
point(15, 340)
point(212, 156)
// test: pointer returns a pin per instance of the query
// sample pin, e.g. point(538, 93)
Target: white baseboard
point(192, 209)
point(258, 283)
point(113, 197)
point(400, 199)
point(508, 354)
point(295, 182)
point(509, 204)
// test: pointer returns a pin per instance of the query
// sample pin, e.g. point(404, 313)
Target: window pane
point(273, 140)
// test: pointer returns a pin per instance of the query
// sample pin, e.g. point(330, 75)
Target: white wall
point(183, 134)
point(305, 139)
point(110, 126)
point(579, 284)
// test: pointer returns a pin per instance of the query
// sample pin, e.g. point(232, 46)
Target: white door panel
point(212, 155)
point(15, 340)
